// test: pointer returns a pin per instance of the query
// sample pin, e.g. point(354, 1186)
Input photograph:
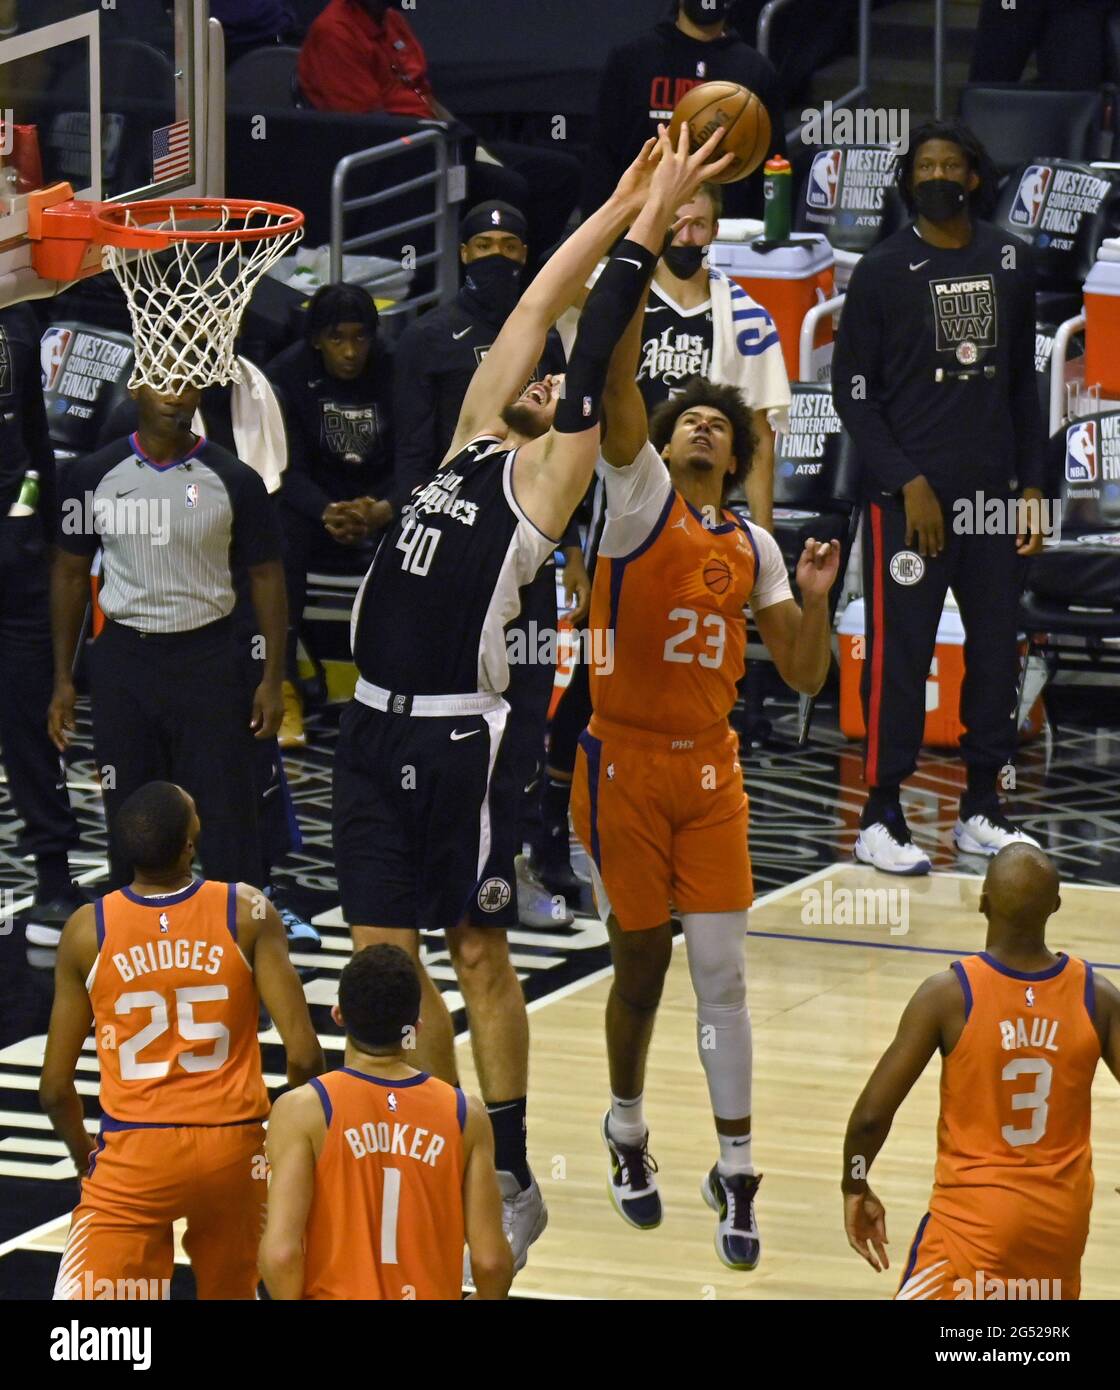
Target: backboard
point(122, 99)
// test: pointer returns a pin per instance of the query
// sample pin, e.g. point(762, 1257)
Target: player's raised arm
point(625, 423)
point(510, 362)
point(71, 1017)
point(491, 1256)
point(291, 1159)
point(266, 947)
point(798, 638)
point(926, 1021)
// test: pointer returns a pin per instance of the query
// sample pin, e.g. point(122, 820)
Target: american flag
point(171, 151)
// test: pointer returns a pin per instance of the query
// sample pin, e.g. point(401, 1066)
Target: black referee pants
point(904, 595)
point(175, 707)
point(36, 776)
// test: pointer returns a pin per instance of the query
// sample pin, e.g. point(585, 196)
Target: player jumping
point(1020, 1030)
point(658, 799)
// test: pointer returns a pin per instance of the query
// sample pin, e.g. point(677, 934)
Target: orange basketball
point(717, 576)
point(745, 121)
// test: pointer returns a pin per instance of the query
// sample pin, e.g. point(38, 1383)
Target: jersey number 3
point(714, 643)
point(1035, 1100)
point(132, 1069)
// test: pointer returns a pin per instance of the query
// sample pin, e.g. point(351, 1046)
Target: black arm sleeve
point(857, 386)
point(414, 409)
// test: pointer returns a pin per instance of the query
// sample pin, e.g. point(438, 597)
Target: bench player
point(1020, 1029)
point(379, 1171)
point(424, 816)
point(658, 799)
point(170, 971)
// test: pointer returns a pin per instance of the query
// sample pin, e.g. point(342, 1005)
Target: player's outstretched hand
point(633, 186)
point(679, 174)
point(818, 567)
point(865, 1224)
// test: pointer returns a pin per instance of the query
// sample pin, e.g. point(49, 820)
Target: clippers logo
point(1030, 197)
point(494, 894)
point(52, 354)
point(907, 567)
point(1081, 452)
point(824, 179)
point(192, 494)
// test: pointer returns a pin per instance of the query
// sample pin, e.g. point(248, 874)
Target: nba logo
point(1030, 196)
point(701, 69)
point(1030, 997)
point(192, 494)
point(824, 179)
point(164, 923)
point(1081, 452)
point(52, 354)
point(391, 1100)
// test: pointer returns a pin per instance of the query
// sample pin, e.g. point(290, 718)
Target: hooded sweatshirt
point(643, 81)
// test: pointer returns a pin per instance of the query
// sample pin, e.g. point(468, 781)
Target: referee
point(176, 516)
point(933, 377)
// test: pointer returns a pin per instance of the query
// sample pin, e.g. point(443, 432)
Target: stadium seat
point(1016, 122)
point(85, 372)
point(816, 491)
point(849, 195)
point(267, 76)
point(1073, 588)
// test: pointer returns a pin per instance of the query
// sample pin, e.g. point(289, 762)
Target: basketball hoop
point(187, 266)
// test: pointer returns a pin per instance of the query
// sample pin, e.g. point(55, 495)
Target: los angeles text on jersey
point(384, 1137)
point(168, 955)
point(439, 496)
point(77, 1343)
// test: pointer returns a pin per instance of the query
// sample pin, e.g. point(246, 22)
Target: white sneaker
point(888, 847)
point(536, 906)
point(524, 1217)
point(987, 835)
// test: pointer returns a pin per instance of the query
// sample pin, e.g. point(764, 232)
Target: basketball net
point(186, 300)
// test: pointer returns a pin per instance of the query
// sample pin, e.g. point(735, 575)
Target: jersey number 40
point(419, 545)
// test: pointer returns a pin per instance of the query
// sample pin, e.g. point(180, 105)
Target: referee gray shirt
point(174, 535)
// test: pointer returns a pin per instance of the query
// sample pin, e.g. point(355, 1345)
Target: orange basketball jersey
point(386, 1220)
point(175, 1010)
point(668, 631)
point(1013, 1153)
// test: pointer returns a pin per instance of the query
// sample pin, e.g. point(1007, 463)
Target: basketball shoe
point(524, 1217)
point(732, 1199)
point(536, 907)
point(886, 844)
point(632, 1186)
point(987, 830)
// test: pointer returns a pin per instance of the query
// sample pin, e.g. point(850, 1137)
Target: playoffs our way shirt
point(933, 371)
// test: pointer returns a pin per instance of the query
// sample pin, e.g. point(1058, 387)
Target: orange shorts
point(943, 1266)
point(664, 821)
point(140, 1181)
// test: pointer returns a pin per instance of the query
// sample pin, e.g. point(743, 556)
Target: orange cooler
point(943, 684)
point(1102, 328)
point(789, 281)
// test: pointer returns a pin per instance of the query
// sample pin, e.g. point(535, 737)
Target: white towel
point(258, 426)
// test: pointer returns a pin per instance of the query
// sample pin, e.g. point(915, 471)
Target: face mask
point(939, 200)
point(683, 261)
point(706, 11)
point(493, 287)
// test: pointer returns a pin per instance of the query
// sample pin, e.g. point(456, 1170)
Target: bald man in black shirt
point(933, 377)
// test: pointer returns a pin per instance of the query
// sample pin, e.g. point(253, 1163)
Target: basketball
point(745, 120)
point(717, 576)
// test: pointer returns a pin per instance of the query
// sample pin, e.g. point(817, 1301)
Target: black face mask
point(492, 287)
point(683, 261)
point(706, 11)
point(940, 200)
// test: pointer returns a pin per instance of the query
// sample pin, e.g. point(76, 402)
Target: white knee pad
point(716, 945)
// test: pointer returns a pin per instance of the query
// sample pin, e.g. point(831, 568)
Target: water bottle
point(776, 190)
point(28, 500)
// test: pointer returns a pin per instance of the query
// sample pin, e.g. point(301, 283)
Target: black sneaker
point(302, 936)
point(45, 920)
point(632, 1188)
point(732, 1199)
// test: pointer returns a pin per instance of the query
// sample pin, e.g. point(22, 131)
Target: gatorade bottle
point(776, 190)
point(28, 500)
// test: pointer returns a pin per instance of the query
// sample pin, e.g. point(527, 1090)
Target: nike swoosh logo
point(627, 261)
point(456, 735)
point(917, 265)
point(126, 492)
point(461, 334)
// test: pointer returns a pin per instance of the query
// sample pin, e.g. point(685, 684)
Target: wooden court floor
point(822, 1011)
point(825, 1001)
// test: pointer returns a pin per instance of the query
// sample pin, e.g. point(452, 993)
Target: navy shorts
point(425, 819)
